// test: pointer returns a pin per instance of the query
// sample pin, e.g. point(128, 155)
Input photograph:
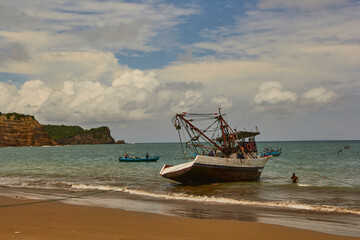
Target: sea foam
point(221, 200)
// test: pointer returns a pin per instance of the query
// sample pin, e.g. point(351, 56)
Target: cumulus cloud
point(222, 101)
point(273, 93)
point(134, 95)
point(320, 95)
point(138, 80)
point(28, 99)
point(7, 92)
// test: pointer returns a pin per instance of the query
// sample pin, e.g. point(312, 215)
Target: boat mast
point(181, 116)
point(226, 148)
point(222, 128)
point(227, 131)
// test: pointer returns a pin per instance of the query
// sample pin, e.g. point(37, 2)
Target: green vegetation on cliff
point(61, 131)
point(17, 116)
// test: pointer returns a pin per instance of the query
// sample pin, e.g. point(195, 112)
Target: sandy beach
point(56, 220)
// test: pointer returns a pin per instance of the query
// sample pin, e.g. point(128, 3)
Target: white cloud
point(233, 78)
point(77, 41)
point(138, 80)
point(92, 24)
point(134, 95)
point(273, 93)
point(273, 97)
point(68, 88)
point(319, 46)
point(320, 95)
point(34, 41)
point(222, 101)
point(190, 99)
point(28, 99)
point(57, 67)
point(7, 92)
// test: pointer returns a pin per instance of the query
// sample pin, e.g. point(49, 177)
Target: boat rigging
point(222, 154)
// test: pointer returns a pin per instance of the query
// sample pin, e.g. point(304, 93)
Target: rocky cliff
point(22, 130)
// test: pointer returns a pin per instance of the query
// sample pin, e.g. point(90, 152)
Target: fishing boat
point(138, 159)
point(270, 151)
point(222, 154)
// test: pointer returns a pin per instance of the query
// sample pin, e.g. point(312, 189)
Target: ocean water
point(326, 199)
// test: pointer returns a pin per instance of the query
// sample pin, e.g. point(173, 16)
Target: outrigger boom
point(228, 134)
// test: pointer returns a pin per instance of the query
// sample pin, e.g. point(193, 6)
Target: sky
point(289, 67)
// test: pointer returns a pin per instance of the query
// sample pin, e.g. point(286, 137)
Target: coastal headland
point(56, 220)
point(18, 130)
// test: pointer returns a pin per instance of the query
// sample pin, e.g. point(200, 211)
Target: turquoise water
point(329, 181)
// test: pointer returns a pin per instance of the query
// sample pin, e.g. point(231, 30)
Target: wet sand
point(56, 220)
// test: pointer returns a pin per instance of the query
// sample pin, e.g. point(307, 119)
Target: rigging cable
point(59, 199)
point(178, 128)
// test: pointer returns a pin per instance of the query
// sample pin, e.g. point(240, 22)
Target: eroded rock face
point(22, 130)
point(19, 130)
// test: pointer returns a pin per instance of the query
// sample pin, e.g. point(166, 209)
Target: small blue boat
point(138, 159)
point(271, 152)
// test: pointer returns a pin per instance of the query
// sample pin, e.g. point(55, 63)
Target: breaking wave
point(17, 183)
point(220, 200)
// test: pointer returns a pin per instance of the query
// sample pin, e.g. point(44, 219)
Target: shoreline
point(340, 224)
point(57, 220)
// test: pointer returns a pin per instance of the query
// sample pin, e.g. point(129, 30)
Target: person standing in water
point(294, 178)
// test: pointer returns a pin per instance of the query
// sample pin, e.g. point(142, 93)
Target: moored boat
point(230, 157)
point(268, 151)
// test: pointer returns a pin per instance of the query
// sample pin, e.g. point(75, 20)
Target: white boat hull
point(205, 169)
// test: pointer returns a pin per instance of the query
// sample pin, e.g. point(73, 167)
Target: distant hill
point(24, 130)
point(73, 135)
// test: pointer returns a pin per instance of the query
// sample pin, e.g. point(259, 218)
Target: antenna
point(217, 98)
